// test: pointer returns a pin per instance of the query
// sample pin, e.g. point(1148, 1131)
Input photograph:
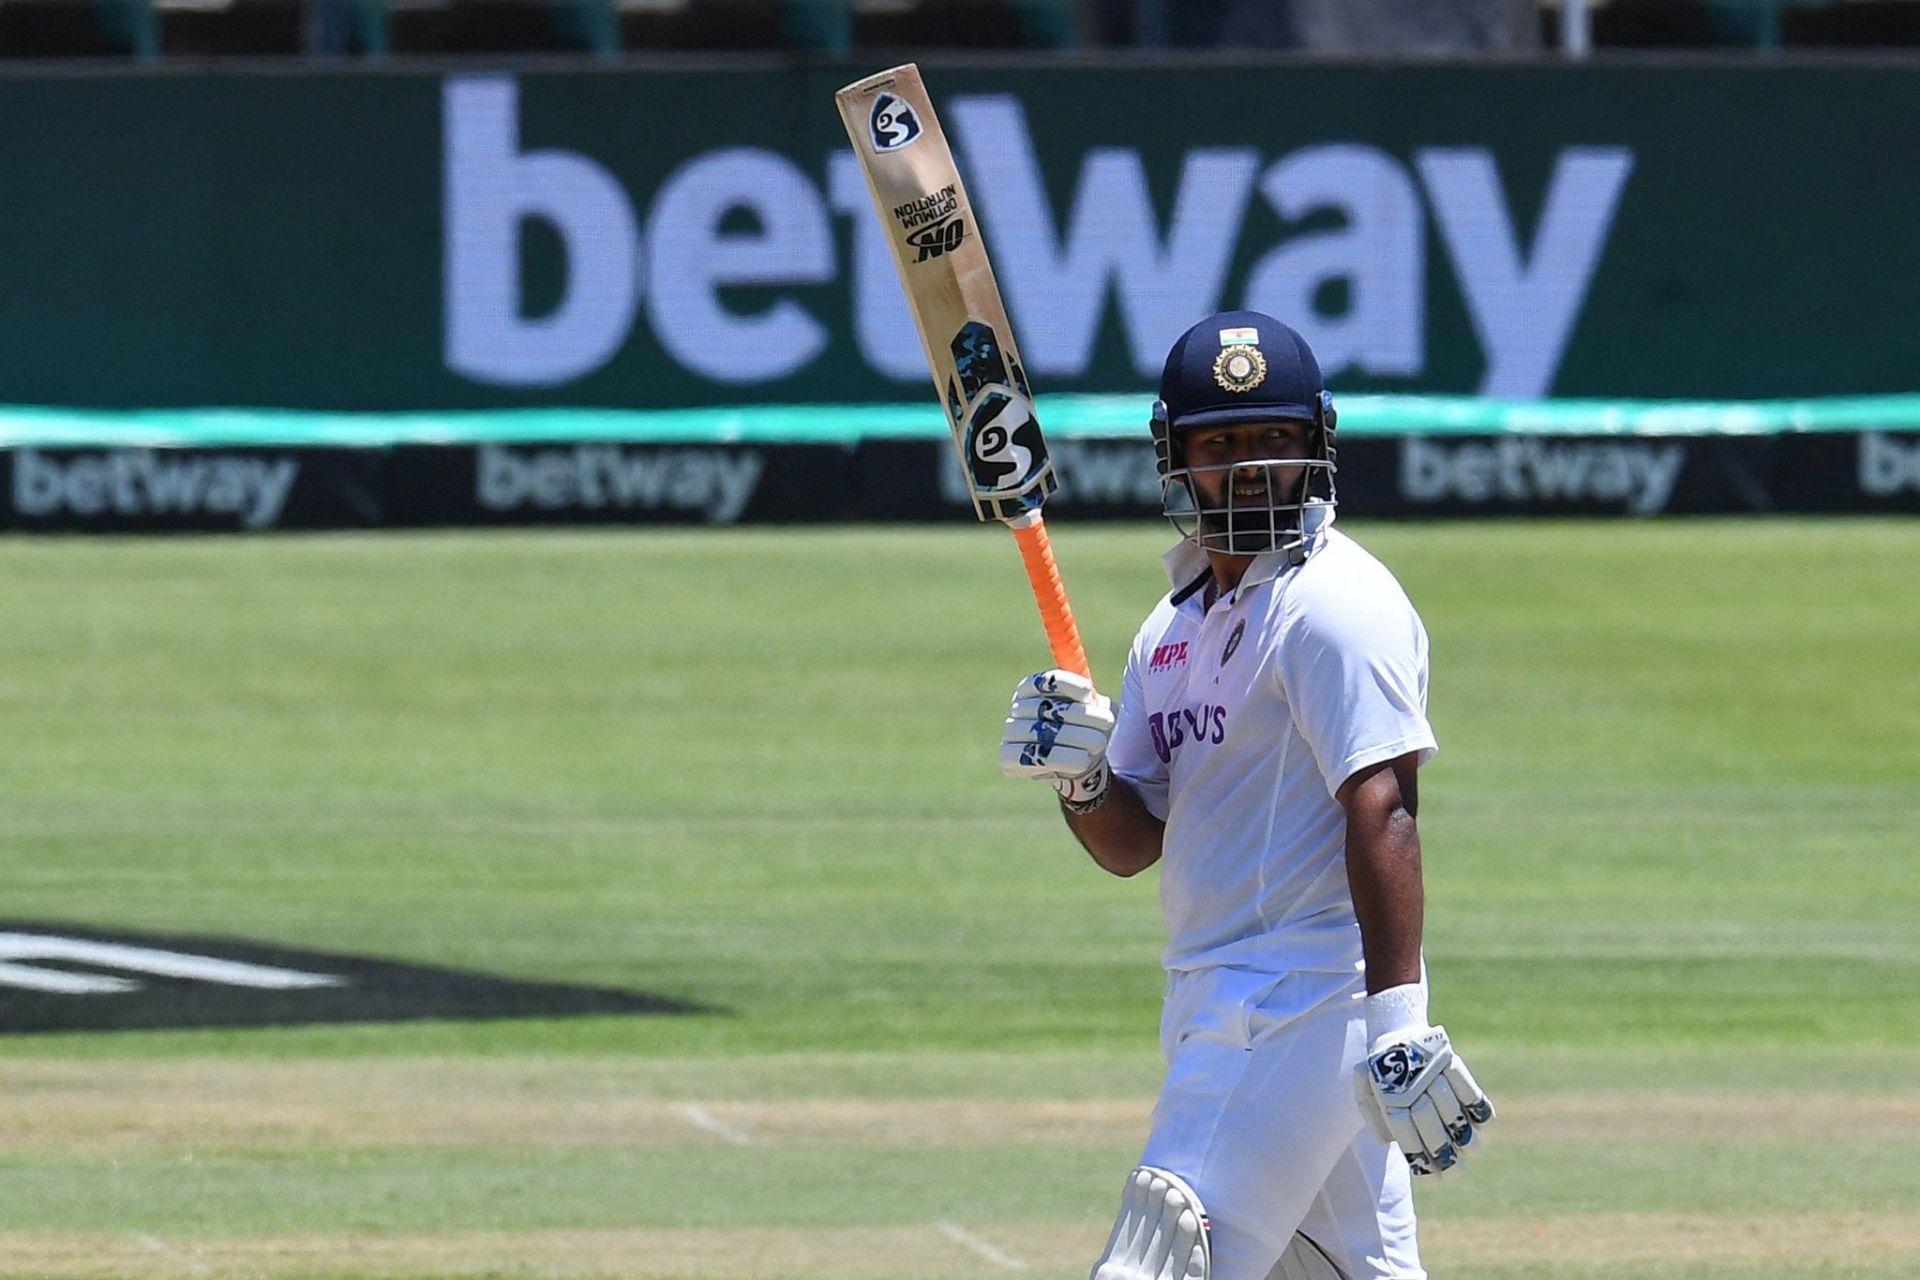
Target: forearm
point(1383, 871)
point(1417, 1091)
point(1121, 834)
point(1383, 874)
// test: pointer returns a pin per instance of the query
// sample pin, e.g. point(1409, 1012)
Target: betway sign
point(1110, 254)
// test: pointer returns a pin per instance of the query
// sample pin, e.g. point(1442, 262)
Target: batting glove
point(1416, 1092)
point(1057, 731)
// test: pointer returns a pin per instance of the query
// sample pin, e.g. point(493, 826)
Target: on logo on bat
point(941, 237)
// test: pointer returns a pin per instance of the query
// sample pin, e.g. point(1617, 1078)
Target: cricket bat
point(977, 375)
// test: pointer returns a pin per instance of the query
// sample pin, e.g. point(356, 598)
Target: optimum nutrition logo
point(938, 239)
point(933, 223)
point(928, 208)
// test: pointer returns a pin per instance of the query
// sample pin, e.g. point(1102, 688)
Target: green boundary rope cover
point(1063, 416)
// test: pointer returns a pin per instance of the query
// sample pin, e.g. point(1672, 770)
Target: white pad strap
point(1161, 1233)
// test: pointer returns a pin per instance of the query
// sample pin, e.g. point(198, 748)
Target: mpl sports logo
point(1168, 656)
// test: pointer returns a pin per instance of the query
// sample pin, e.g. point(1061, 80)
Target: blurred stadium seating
point(1762, 25)
point(155, 29)
point(152, 29)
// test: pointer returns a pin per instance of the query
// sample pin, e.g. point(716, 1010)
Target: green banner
point(401, 241)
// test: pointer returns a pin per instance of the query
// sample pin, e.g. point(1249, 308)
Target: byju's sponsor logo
point(1635, 475)
point(143, 483)
point(64, 978)
point(1887, 466)
point(715, 483)
point(1172, 730)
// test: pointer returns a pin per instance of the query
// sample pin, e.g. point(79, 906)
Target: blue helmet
point(1239, 367)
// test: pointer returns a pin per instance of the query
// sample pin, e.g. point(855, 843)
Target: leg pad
point(1161, 1233)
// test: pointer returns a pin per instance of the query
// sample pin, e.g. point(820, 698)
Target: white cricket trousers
point(1258, 1114)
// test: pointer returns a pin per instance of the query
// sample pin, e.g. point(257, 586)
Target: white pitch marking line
point(165, 1250)
point(705, 1119)
point(967, 1240)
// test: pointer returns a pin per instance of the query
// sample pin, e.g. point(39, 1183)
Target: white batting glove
point(1415, 1091)
point(1057, 731)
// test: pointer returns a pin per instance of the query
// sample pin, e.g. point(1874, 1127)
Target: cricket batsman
point(1266, 753)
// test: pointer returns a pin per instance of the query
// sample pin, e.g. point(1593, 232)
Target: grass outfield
point(1670, 842)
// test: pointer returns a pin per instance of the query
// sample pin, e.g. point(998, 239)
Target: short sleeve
point(1353, 661)
point(1131, 751)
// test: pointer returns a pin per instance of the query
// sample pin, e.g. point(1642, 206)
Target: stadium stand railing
point(151, 30)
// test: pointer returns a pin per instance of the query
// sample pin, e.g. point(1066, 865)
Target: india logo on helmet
point(1240, 368)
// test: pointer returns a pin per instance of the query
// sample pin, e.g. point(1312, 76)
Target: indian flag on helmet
point(1239, 337)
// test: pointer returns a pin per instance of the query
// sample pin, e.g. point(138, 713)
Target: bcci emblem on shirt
point(1233, 641)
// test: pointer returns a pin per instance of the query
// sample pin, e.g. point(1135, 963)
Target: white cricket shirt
point(1237, 725)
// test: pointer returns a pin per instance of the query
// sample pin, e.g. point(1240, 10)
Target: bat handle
point(1043, 575)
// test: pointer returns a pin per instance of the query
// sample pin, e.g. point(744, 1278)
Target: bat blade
point(978, 377)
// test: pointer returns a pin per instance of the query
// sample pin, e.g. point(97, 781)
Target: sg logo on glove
point(1416, 1092)
point(1396, 1067)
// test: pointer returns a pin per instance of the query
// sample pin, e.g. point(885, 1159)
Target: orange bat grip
point(1043, 575)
